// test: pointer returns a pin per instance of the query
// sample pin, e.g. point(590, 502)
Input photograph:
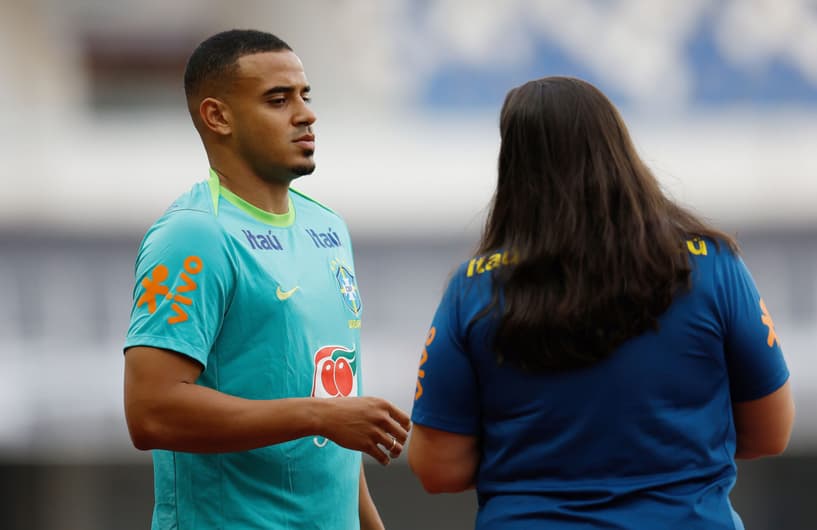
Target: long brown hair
point(598, 250)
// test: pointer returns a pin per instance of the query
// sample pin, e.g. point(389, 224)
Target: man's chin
point(305, 169)
point(287, 174)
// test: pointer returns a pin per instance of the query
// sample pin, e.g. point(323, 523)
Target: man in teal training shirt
point(246, 313)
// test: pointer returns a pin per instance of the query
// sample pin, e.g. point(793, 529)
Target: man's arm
point(763, 426)
point(369, 518)
point(445, 462)
point(166, 410)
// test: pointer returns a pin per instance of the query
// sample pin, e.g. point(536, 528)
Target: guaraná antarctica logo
point(335, 375)
point(335, 372)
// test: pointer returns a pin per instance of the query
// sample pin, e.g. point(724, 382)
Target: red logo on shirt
point(155, 289)
point(335, 372)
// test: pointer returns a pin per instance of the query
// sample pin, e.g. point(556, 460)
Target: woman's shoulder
point(479, 265)
point(704, 248)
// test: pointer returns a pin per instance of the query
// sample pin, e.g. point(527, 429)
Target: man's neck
point(271, 197)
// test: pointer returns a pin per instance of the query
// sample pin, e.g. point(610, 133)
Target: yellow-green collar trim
point(274, 219)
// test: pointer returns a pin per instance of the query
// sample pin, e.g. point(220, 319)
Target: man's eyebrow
point(282, 89)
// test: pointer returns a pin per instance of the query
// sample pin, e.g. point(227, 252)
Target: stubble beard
point(276, 175)
point(304, 169)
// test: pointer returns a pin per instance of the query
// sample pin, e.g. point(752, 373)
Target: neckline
point(273, 219)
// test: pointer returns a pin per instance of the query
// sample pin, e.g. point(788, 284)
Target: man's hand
point(365, 424)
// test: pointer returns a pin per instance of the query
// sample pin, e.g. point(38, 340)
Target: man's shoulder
point(299, 198)
point(189, 220)
point(185, 238)
point(197, 199)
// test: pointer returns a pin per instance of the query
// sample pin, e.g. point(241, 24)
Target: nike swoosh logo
point(283, 295)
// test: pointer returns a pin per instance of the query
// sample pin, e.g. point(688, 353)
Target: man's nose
point(305, 115)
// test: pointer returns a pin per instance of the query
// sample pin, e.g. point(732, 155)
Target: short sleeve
point(754, 358)
point(446, 396)
point(183, 285)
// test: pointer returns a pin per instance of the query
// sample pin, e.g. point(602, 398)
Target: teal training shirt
point(269, 305)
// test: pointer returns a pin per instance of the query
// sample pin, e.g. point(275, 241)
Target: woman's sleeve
point(447, 395)
point(753, 355)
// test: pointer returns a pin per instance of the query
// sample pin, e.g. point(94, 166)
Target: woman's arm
point(763, 426)
point(445, 462)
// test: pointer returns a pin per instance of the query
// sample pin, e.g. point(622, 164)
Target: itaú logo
point(262, 241)
point(335, 372)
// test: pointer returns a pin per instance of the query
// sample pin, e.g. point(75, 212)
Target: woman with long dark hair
point(605, 356)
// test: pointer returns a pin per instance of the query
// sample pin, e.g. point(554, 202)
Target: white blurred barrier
point(400, 175)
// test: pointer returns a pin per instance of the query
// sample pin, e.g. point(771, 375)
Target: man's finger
point(397, 431)
point(379, 455)
point(401, 417)
point(396, 450)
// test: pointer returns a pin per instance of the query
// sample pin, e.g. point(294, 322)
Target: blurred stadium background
point(720, 95)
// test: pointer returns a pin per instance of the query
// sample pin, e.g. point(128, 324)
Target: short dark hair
point(217, 55)
point(599, 250)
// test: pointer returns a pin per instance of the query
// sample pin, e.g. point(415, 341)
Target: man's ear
point(216, 116)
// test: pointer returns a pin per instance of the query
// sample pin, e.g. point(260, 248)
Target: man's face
point(272, 121)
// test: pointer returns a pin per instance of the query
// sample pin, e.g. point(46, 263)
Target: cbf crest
point(347, 286)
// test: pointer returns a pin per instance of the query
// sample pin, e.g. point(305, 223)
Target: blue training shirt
point(268, 305)
point(642, 439)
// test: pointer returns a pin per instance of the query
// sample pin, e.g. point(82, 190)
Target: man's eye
point(277, 101)
point(307, 99)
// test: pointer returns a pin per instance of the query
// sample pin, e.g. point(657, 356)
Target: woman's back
point(642, 439)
